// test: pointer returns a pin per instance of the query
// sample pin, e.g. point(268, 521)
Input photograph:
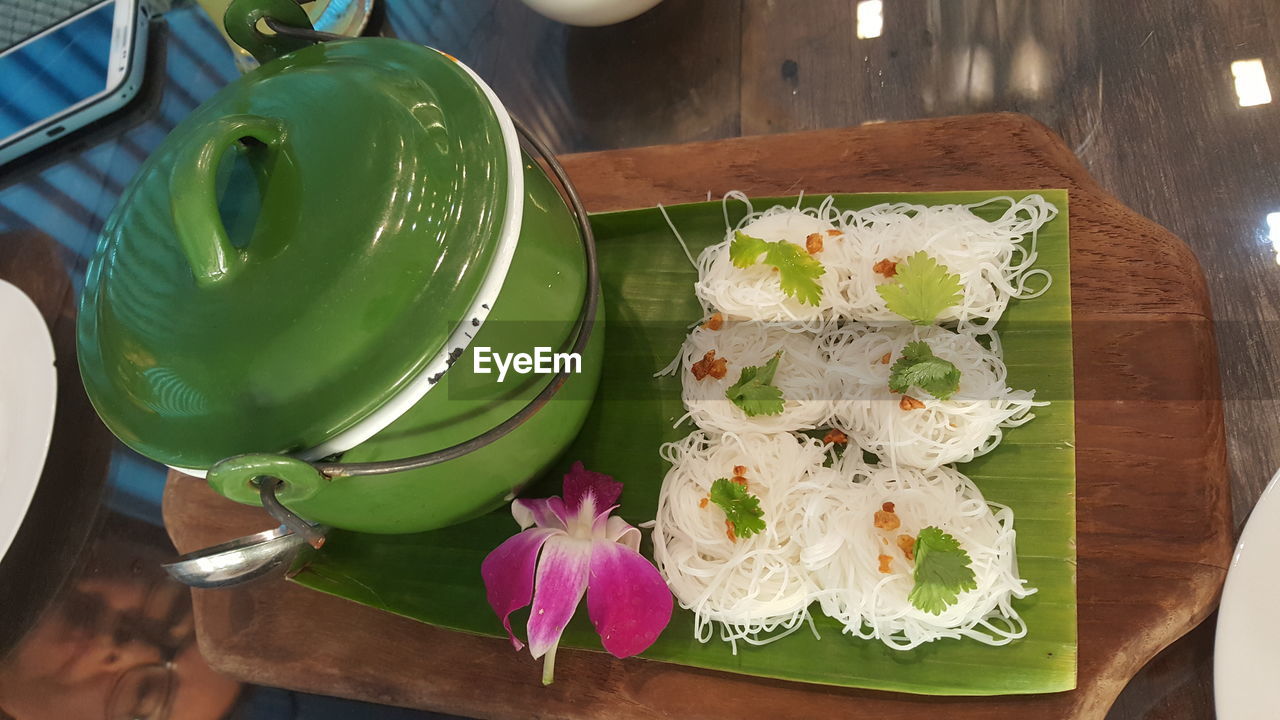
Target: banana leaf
point(434, 577)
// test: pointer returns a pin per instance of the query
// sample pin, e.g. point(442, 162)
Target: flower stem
point(549, 666)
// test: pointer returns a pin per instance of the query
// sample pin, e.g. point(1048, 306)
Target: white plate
point(28, 394)
point(1244, 658)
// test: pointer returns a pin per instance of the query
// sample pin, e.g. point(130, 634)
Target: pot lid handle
point(193, 193)
point(241, 23)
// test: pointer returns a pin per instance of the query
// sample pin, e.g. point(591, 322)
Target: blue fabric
point(262, 703)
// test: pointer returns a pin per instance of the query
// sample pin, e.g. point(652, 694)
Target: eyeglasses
point(144, 692)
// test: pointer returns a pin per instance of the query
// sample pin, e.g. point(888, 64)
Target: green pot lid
point(303, 256)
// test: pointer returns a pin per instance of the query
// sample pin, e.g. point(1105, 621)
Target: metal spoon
point(253, 556)
point(238, 561)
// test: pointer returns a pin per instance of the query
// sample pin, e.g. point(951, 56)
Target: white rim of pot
point(477, 313)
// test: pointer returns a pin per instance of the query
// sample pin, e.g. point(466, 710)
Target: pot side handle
point(241, 23)
point(237, 477)
point(193, 193)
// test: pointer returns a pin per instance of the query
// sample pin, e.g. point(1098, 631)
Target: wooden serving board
point(1154, 515)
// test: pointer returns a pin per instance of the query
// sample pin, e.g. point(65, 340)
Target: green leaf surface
point(648, 295)
point(919, 367)
point(740, 507)
point(754, 392)
point(921, 289)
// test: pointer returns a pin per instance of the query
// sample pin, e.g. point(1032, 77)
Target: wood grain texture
point(581, 88)
point(1154, 510)
point(1142, 92)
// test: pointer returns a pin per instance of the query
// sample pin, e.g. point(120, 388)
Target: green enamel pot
point(306, 293)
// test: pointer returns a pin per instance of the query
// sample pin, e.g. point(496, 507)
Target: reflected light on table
point(1251, 83)
point(975, 75)
point(1273, 226)
point(870, 19)
point(1030, 71)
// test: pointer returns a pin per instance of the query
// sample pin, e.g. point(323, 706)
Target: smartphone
point(70, 74)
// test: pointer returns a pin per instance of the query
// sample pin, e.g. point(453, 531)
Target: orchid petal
point(581, 483)
point(544, 512)
point(600, 520)
point(508, 574)
point(628, 601)
point(562, 578)
point(622, 532)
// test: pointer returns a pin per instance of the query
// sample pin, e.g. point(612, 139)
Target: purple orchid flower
point(583, 549)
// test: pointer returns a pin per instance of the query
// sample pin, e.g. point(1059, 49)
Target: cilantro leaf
point(922, 290)
point(942, 571)
point(740, 507)
point(918, 366)
point(745, 250)
point(754, 392)
point(798, 271)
